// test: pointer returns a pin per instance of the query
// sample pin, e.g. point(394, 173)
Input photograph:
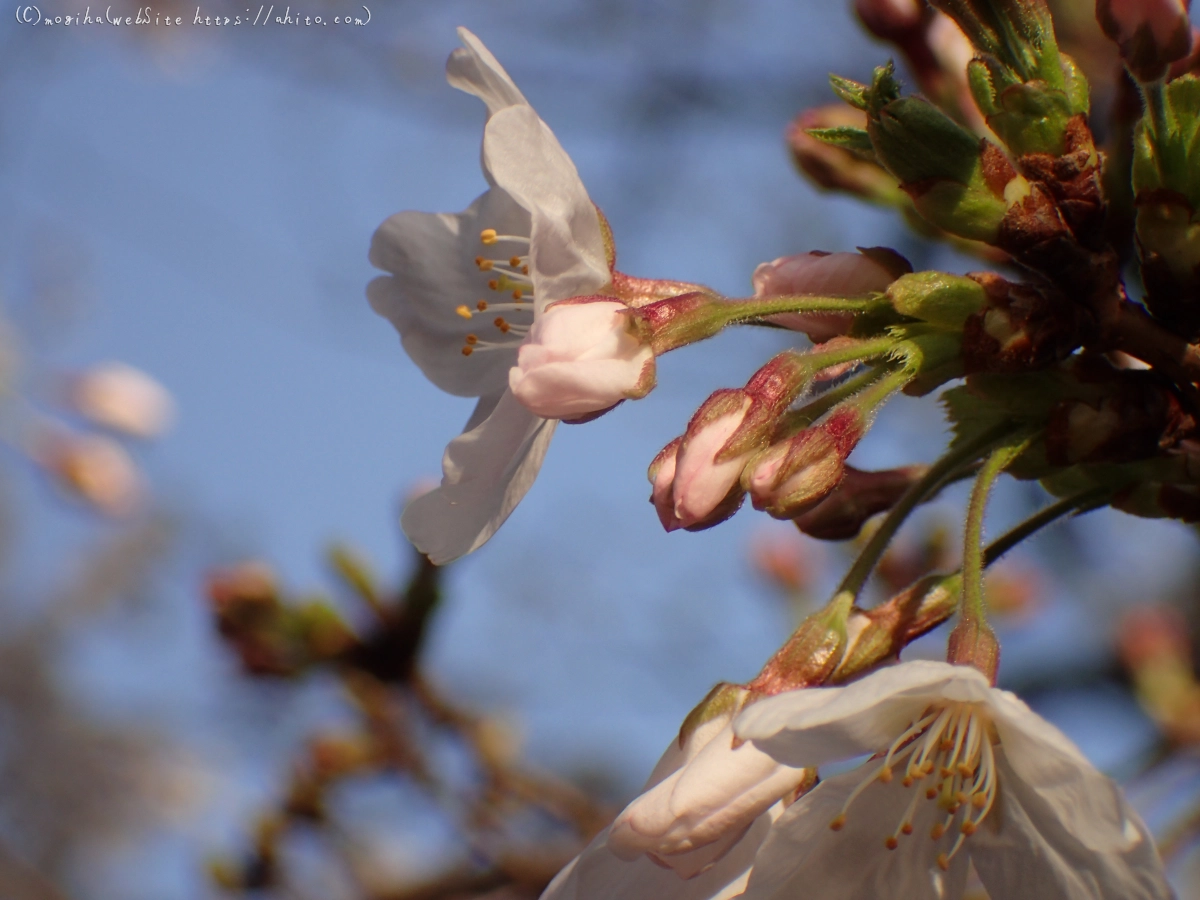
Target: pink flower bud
point(703, 475)
point(121, 398)
point(703, 796)
point(581, 356)
point(1151, 34)
point(890, 19)
point(829, 274)
point(792, 476)
point(662, 477)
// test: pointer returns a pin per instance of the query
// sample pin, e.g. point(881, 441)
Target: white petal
point(713, 799)
point(814, 726)
point(565, 390)
point(567, 251)
point(804, 858)
point(1025, 850)
point(432, 260)
point(473, 69)
point(1088, 803)
point(486, 471)
point(596, 874)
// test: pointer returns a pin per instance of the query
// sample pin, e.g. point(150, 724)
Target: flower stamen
point(952, 744)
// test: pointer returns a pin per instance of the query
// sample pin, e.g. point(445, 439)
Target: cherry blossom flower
point(466, 288)
point(961, 773)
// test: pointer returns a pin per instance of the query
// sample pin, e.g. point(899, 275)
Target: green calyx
point(1028, 116)
point(1168, 157)
point(943, 300)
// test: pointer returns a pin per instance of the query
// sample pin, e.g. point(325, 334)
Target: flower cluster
point(1051, 372)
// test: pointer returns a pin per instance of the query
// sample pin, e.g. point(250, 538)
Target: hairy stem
point(963, 455)
point(972, 607)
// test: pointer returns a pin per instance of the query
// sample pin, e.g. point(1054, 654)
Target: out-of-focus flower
point(1151, 34)
point(582, 356)
point(545, 235)
point(829, 274)
point(122, 398)
point(961, 773)
point(703, 796)
point(1155, 648)
point(788, 563)
point(91, 467)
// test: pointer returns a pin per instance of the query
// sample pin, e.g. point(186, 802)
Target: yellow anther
point(979, 801)
point(494, 284)
point(891, 843)
point(838, 823)
point(467, 351)
point(937, 831)
point(472, 339)
point(463, 311)
point(515, 261)
point(964, 770)
point(481, 305)
point(960, 798)
point(485, 265)
point(488, 235)
point(517, 294)
point(524, 270)
point(943, 862)
point(907, 781)
point(927, 768)
point(906, 828)
point(968, 828)
point(885, 774)
point(944, 772)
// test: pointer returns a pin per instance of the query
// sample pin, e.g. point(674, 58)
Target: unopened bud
point(937, 298)
point(810, 655)
point(727, 429)
point(891, 626)
point(707, 467)
point(662, 478)
point(890, 20)
point(791, 477)
point(957, 182)
point(859, 496)
point(582, 356)
point(1151, 34)
point(830, 274)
